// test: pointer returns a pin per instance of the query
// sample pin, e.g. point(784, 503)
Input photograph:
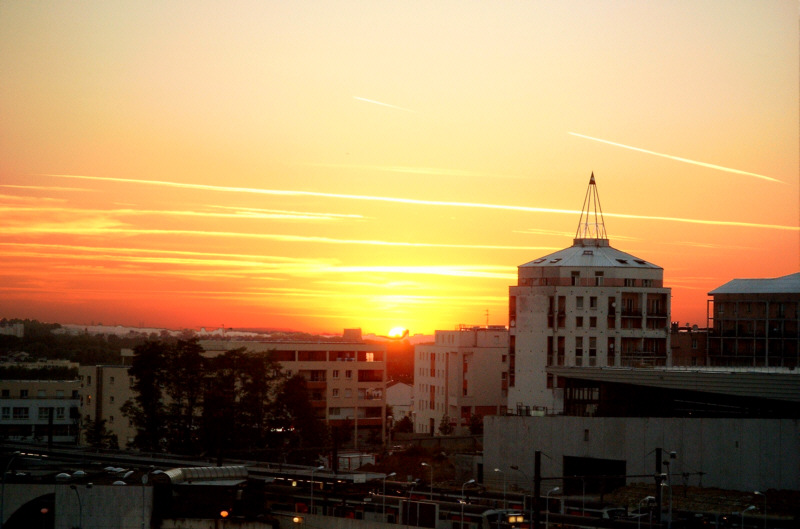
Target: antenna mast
point(591, 224)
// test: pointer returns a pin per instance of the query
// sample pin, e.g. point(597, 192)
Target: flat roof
point(765, 383)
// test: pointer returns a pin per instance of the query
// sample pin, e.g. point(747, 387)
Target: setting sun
point(398, 332)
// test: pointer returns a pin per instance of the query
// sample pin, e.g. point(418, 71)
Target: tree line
point(235, 404)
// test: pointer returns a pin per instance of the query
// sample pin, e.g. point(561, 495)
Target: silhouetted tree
point(293, 414)
point(98, 435)
point(146, 410)
point(476, 424)
point(184, 386)
point(445, 428)
point(404, 425)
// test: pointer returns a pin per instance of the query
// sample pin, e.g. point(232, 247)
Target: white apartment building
point(586, 305)
point(104, 390)
point(346, 381)
point(463, 373)
point(35, 410)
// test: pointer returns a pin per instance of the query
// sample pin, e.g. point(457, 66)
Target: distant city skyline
point(383, 166)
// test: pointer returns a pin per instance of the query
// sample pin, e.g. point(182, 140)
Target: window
point(348, 374)
point(348, 393)
point(504, 358)
point(111, 419)
point(630, 282)
point(334, 411)
point(578, 350)
point(89, 380)
point(111, 380)
point(111, 399)
point(44, 414)
point(647, 282)
point(59, 393)
point(41, 393)
point(503, 375)
point(694, 343)
point(593, 302)
point(579, 302)
point(21, 413)
point(23, 393)
point(6, 393)
point(598, 279)
point(370, 357)
point(593, 321)
point(60, 413)
point(335, 392)
point(335, 373)
point(579, 321)
point(6, 413)
point(576, 276)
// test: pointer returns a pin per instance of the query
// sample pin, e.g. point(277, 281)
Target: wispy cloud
point(427, 171)
point(677, 158)
point(398, 200)
point(364, 99)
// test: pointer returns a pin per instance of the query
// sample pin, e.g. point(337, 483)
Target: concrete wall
point(738, 454)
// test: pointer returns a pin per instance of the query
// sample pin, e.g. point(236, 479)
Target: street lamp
point(646, 499)
point(750, 508)
point(311, 510)
point(3, 491)
point(757, 493)
point(431, 467)
point(463, 501)
point(547, 505)
point(384, 492)
point(80, 506)
point(527, 479)
point(504, 486)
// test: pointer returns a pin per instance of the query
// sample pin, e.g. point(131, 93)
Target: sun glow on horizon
point(310, 170)
point(398, 332)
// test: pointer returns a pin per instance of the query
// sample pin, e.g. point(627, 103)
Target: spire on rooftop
point(591, 226)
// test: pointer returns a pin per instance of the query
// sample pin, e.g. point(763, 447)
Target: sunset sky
point(324, 165)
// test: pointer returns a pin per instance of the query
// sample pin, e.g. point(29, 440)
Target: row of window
point(23, 413)
point(40, 394)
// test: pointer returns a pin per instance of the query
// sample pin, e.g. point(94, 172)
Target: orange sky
point(319, 166)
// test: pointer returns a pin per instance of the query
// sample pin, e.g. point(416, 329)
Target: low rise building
point(346, 380)
point(40, 410)
point(463, 373)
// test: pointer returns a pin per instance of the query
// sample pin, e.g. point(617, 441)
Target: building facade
point(463, 373)
point(40, 410)
point(586, 305)
point(346, 381)
point(755, 322)
point(104, 390)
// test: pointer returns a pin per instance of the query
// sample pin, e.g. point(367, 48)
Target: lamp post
point(384, 492)
point(749, 508)
point(431, 467)
point(647, 499)
point(669, 515)
point(757, 493)
point(463, 501)
point(311, 510)
point(3, 486)
point(80, 506)
point(530, 520)
point(547, 506)
point(504, 486)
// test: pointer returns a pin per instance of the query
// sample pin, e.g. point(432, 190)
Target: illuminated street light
point(547, 504)
point(311, 510)
point(750, 508)
point(464, 500)
point(431, 467)
point(504, 486)
point(757, 493)
point(646, 499)
point(384, 492)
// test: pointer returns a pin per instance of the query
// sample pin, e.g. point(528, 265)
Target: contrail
point(686, 160)
point(383, 104)
point(398, 200)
